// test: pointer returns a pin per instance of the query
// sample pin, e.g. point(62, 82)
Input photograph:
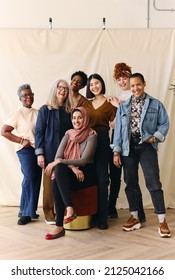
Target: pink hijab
point(72, 150)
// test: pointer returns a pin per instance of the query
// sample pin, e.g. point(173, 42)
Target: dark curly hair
point(82, 75)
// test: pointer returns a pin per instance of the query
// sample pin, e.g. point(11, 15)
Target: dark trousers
point(66, 181)
point(102, 157)
point(114, 187)
point(147, 156)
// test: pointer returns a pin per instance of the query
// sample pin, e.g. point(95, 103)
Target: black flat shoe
point(50, 236)
point(24, 220)
point(103, 225)
point(35, 217)
point(113, 215)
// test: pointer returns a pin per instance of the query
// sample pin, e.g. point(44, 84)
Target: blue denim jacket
point(154, 122)
point(50, 128)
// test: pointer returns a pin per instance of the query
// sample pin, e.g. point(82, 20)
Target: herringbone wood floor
point(28, 243)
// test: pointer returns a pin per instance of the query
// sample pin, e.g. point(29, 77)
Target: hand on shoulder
point(114, 101)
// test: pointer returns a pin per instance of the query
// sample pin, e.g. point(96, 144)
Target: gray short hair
point(22, 87)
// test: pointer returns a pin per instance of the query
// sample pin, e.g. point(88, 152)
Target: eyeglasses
point(63, 88)
point(25, 95)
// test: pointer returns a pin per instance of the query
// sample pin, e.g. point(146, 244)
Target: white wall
point(86, 13)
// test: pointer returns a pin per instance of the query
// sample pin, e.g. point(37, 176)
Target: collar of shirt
point(139, 99)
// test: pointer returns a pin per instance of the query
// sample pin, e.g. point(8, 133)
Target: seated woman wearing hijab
point(72, 168)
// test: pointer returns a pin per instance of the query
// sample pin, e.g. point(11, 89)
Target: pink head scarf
point(72, 150)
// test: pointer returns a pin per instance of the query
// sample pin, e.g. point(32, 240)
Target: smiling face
point(61, 93)
point(27, 98)
point(76, 83)
point(95, 86)
point(77, 120)
point(137, 86)
point(123, 83)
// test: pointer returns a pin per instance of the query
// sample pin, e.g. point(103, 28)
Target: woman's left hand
point(79, 174)
point(114, 101)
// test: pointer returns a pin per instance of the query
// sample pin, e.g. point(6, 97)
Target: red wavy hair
point(122, 70)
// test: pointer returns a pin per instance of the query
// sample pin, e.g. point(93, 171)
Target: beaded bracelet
point(22, 139)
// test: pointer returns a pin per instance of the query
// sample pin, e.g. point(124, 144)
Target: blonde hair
point(52, 99)
point(122, 70)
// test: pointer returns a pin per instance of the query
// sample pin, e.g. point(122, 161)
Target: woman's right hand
point(117, 160)
point(41, 161)
point(49, 168)
point(26, 143)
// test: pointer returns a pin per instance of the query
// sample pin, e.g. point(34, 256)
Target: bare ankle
point(70, 211)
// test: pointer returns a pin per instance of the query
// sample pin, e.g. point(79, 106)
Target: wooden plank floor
point(28, 243)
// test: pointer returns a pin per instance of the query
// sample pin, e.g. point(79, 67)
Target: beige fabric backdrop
point(39, 57)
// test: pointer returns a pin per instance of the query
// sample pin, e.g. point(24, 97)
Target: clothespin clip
point(50, 23)
point(104, 23)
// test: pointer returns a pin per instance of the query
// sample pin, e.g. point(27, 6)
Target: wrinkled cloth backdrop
point(40, 57)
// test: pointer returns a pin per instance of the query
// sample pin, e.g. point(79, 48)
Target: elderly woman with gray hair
point(52, 123)
point(23, 120)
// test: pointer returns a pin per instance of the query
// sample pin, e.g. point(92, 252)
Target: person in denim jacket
point(122, 73)
point(141, 123)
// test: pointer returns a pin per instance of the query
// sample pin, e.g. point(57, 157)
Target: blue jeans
point(147, 156)
point(31, 181)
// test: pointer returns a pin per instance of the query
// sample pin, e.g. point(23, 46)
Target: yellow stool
point(85, 206)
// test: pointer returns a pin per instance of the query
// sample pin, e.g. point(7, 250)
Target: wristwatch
point(155, 139)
